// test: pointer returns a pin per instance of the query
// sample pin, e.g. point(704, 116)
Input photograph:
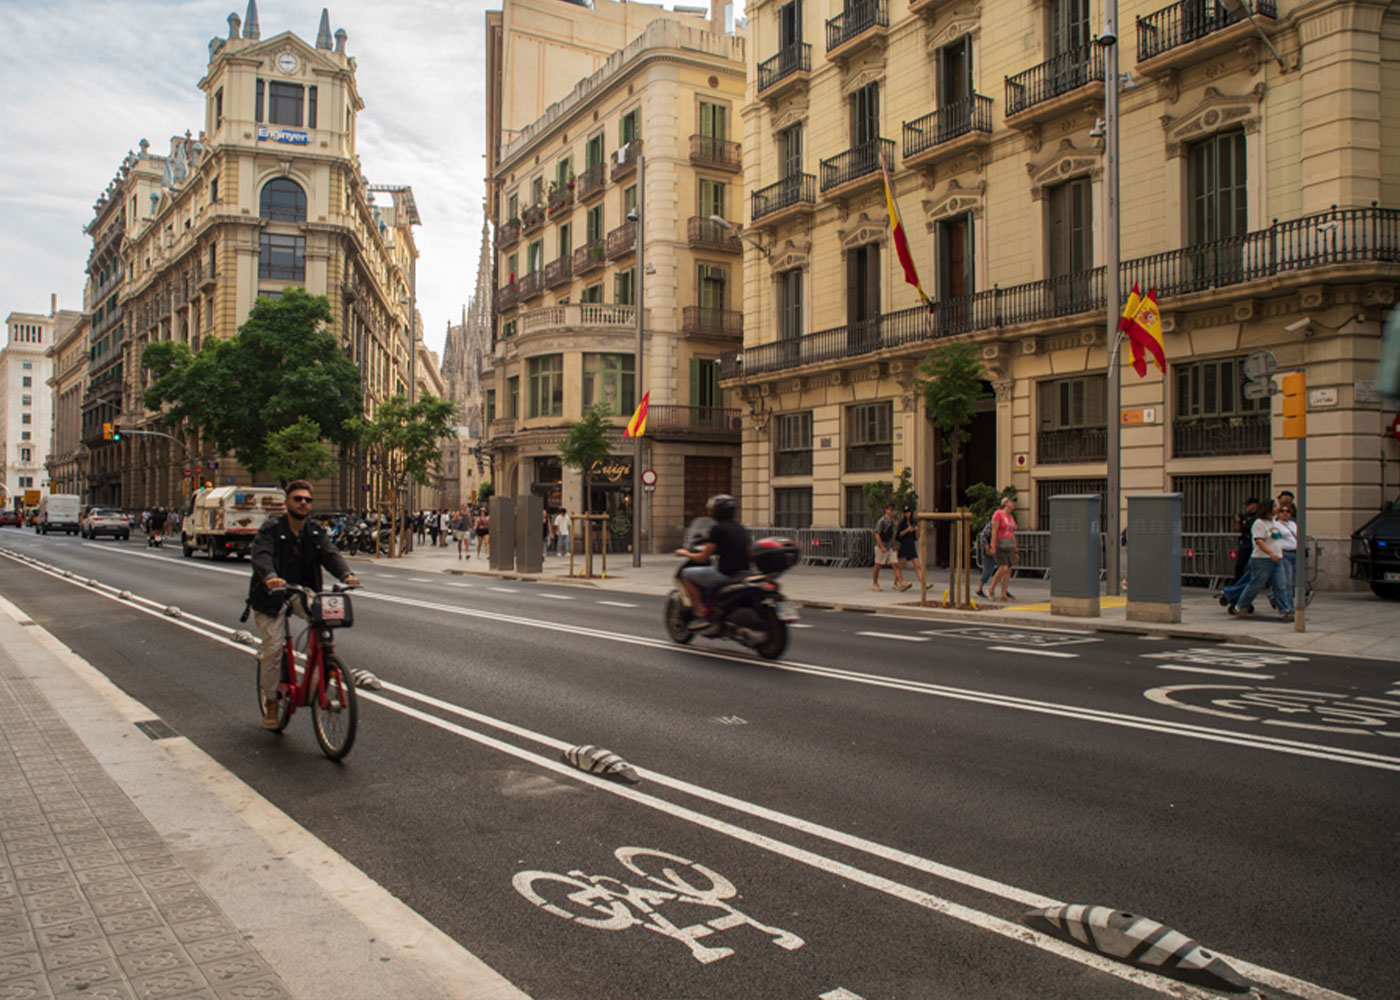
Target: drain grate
point(156, 729)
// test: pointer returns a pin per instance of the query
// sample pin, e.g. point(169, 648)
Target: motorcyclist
point(728, 543)
point(155, 522)
point(290, 549)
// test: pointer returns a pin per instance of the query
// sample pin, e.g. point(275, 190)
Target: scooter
point(749, 609)
point(154, 537)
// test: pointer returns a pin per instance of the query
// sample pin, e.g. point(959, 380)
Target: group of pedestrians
point(557, 532)
point(440, 528)
point(896, 546)
point(1268, 556)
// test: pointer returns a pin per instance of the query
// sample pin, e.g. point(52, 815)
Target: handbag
point(1006, 545)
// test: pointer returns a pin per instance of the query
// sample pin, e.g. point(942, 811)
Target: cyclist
point(290, 549)
point(729, 542)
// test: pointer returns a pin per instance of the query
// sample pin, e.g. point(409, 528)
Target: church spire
point(323, 34)
point(250, 22)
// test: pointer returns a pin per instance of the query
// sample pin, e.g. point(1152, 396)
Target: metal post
point(1300, 584)
point(637, 360)
point(1109, 40)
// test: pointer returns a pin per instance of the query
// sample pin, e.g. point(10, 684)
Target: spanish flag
point(637, 426)
point(901, 241)
point(1144, 329)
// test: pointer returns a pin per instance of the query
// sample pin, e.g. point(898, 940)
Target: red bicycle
point(322, 680)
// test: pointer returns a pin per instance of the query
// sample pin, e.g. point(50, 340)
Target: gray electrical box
point(1075, 549)
point(501, 553)
point(1154, 556)
point(529, 533)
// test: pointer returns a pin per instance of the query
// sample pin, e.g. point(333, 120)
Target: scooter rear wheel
point(773, 646)
point(677, 620)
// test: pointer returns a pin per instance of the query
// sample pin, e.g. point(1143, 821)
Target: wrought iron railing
point(561, 199)
point(624, 159)
point(591, 181)
point(710, 322)
point(559, 271)
point(796, 58)
point(858, 17)
point(971, 114)
point(710, 152)
point(621, 240)
point(1058, 75)
point(1072, 444)
point(1341, 236)
point(505, 296)
point(530, 285)
point(1185, 22)
point(1246, 434)
point(856, 162)
point(869, 457)
point(794, 190)
point(714, 421)
point(508, 235)
point(532, 217)
point(589, 257)
point(702, 232)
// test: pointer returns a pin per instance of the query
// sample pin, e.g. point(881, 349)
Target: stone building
point(26, 405)
point(565, 195)
point(68, 456)
point(1253, 200)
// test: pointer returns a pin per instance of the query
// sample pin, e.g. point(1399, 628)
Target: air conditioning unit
point(711, 272)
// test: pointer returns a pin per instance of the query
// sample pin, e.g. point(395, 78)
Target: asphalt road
point(885, 803)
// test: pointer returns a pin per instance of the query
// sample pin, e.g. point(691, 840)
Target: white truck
point(59, 512)
point(223, 520)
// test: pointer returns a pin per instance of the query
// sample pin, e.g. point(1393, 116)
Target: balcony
point(505, 297)
point(591, 182)
point(948, 132)
point(208, 274)
point(574, 316)
point(1072, 444)
point(707, 422)
point(624, 160)
point(795, 195)
point(718, 153)
point(1246, 434)
point(1194, 30)
point(856, 169)
point(508, 235)
point(501, 427)
point(621, 241)
point(588, 258)
point(705, 234)
point(559, 271)
point(861, 24)
point(532, 217)
point(561, 200)
point(1047, 91)
point(701, 321)
point(1345, 244)
point(791, 67)
point(928, 9)
point(530, 286)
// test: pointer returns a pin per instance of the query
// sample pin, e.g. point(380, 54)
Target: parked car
point(9, 518)
point(104, 521)
point(1375, 552)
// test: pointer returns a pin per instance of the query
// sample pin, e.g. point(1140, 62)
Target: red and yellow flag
point(637, 426)
point(901, 241)
point(1144, 329)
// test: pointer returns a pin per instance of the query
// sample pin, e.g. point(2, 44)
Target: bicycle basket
point(332, 611)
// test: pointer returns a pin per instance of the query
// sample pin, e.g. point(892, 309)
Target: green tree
point(297, 452)
point(983, 500)
point(902, 494)
point(586, 445)
point(483, 491)
point(282, 367)
point(952, 385)
point(403, 442)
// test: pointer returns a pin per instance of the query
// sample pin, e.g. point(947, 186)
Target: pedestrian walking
point(1004, 546)
point(885, 549)
point(1244, 522)
point(987, 552)
point(544, 530)
point(1266, 565)
point(420, 525)
point(1288, 543)
point(481, 527)
point(462, 531)
point(907, 537)
point(431, 521)
point(563, 531)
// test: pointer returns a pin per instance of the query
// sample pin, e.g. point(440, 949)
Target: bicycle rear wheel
point(334, 721)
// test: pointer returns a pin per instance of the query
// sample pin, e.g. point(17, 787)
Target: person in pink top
point(1004, 543)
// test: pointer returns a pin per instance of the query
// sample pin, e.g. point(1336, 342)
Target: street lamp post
point(637, 359)
point(1113, 291)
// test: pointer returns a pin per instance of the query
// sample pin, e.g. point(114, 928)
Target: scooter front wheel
point(678, 620)
point(776, 641)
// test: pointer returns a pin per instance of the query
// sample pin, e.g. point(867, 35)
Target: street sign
point(1260, 389)
point(648, 477)
point(1260, 365)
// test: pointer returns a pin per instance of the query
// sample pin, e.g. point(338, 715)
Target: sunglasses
point(298, 499)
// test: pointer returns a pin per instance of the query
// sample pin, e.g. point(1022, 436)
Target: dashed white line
point(894, 635)
point(617, 604)
point(420, 579)
point(1035, 652)
point(505, 590)
point(463, 586)
point(798, 625)
point(558, 597)
point(1212, 670)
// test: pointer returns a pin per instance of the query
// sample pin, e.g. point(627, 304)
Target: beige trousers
point(270, 654)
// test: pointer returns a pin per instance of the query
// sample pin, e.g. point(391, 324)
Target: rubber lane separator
point(1035, 652)
point(895, 635)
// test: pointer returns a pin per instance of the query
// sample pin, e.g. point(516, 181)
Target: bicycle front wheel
point(334, 717)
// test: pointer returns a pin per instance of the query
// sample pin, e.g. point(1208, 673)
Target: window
point(608, 379)
point(508, 329)
point(26, 400)
point(1071, 244)
point(857, 510)
point(25, 418)
point(955, 277)
point(790, 25)
point(27, 365)
point(214, 189)
point(24, 435)
point(537, 191)
point(1217, 194)
point(489, 405)
point(284, 103)
point(534, 257)
point(564, 171)
point(1073, 420)
point(258, 102)
point(546, 385)
point(218, 106)
point(26, 481)
point(512, 266)
point(595, 223)
point(790, 151)
point(1069, 25)
point(704, 384)
point(593, 152)
point(793, 445)
point(1213, 416)
point(630, 127)
point(865, 116)
point(710, 282)
point(955, 83)
point(513, 396)
point(863, 296)
point(790, 305)
point(792, 508)
point(1210, 503)
point(310, 107)
point(629, 200)
point(282, 258)
point(711, 198)
point(566, 240)
point(282, 201)
point(513, 208)
point(24, 454)
point(870, 437)
point(593, 293)
point(625, 287)
point(712, 121)
point(1047, 488)
point(26, 381)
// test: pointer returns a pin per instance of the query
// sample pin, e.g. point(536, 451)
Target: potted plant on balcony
point(570, 181)
point(595, 252)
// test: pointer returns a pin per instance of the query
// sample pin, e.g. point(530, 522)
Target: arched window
point(283, 201)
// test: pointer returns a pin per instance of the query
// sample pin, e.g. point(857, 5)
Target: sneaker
point(270, 713)
point(981, 594)
point(905, 586)
point(876, 586)
point(1242, 612)
point(1287, 616)
point(698, 624)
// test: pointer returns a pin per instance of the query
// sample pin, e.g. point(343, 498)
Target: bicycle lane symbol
point(607, 903)
point(1296, 708)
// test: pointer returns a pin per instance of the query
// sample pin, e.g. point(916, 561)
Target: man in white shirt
point(563, 525)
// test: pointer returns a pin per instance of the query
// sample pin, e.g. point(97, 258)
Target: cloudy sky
point(85, 80)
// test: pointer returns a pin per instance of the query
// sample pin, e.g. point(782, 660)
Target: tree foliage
point(951, 386)
point(902, 494)
point(283, 367)
point(983, 500)
point(586, 445)
point(297, 452)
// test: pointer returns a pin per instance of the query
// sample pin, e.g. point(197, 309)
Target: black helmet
point(722, 507)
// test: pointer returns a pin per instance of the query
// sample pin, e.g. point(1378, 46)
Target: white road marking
point(798, 625)
point(840, 993)
point(894, 635)
point(505, 590)
point(557, 597)
point(1212, 670)
point(462, 586)
point(1034, 652)
point(616, 604)
point(421, 579)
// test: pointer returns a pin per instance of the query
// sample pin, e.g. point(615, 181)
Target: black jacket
point(273, 554)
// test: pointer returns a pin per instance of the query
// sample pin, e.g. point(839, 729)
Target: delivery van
point(59, 512)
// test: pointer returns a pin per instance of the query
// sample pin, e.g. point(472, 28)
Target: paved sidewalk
point(132, 867)
point(1344, 623)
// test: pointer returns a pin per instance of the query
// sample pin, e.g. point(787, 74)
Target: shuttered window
point(1074, 402)
point(1217, 188)
point(704, 382)
point(1213, 389)
point(546, 385)
point(792, 455)
point(792, 508)
point(712, 121)
point(790, 305)
point(870, 437)
point(711, 198)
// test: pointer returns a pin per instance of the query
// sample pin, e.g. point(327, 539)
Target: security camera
point(1299, 324)
point(632, 215)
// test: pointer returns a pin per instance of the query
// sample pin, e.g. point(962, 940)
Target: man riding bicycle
point(288, 550)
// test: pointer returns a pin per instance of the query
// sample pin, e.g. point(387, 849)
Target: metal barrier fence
point(836, 547)
point(1207, 559)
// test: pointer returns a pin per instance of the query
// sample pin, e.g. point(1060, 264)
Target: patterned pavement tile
point(47, 883)
point(167, 880)
point(151, 866)
point(183, 912)
point(17, 966)
point(68, 896)
point(78, 930)
point(79, 860)
point(187, 893)
point(103, 991)
point(76, 953)
point(197, 930)
point(12, 923)
point(35, 861)
point(120, 904)
point(145, 963)
point(58, 915)
point(13, 944)
point(169, 985)
point(134, 920)
point(228, 970)
point(86, 876)
point(111, 887)
point(82, 977)
point(256, 989)
point(143, 940)
point(30, 988)
point(218, 949)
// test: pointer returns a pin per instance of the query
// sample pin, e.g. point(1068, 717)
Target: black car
point(1375, 552)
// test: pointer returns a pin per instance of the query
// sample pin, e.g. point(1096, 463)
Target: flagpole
point(637, 359)
point(1113, 288)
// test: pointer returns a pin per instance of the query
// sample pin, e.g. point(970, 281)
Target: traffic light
point(1295, 405)
point(116, 431)
point(106, 432)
